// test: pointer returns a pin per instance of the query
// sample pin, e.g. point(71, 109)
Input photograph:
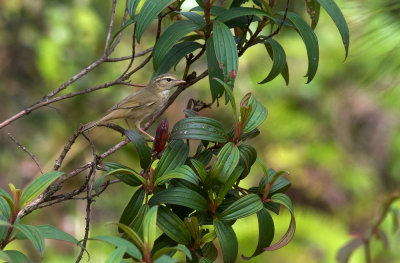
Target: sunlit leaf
point(131, 249)
point(150, 227)
point(116, 255)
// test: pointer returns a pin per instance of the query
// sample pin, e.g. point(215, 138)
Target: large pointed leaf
point(168, 39)
point(278, 55)
point(229, 183)
point(132, 208)
point(141, 146)
point(256, 116)
point(225, 50)
point(248, 156)
point(149, 11)
point(5, 208)
point(337, 17)
point(266, 232)
point(199, 128)
point(310, 41)
point(126, 178)
point(33, 234)
point(227, 160)
point(180, 196)
point(131, 249)
point(134, 179)
point(137, 222)
point(150, 227)
point(241, 11)
point(227, 240)
point(131, 6)
point(200, 168)
point(173, 56)
point(163, 251)
point(229, 94)
point(132, 235)
point(173, 226)
point(17, 257)
point(287, 237)
point(174, 156)
point(117, 255)
point(195, 18)
point(243, 207)
point(214, 71)
point(35, 188)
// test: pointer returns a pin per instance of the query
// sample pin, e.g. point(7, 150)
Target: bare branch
point(27, 151)
point(110, 27)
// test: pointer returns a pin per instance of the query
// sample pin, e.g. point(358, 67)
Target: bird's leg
point(127, 123)
point(144, 132)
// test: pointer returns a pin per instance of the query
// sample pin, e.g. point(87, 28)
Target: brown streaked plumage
point(142, 104)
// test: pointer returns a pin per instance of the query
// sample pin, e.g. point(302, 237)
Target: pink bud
point(161, 136)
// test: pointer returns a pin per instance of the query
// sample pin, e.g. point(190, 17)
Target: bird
point(141, 105)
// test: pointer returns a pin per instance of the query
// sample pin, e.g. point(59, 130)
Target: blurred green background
point(339, 136)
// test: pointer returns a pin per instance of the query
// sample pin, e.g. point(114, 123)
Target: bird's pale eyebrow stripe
point(167, 77)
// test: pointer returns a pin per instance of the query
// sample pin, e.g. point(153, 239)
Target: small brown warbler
point(141, 105)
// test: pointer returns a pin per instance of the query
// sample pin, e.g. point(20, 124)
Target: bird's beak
point(180, 82)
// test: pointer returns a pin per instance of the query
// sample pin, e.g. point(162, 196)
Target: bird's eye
point(168, 79)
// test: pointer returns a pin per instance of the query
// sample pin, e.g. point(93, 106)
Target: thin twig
point(27, 151)
point(110, 27)
point(140, 54)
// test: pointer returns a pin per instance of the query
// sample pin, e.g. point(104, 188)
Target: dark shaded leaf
point(214, 71)
point(210, 252)
point(204, 157)
point(310, 40)
point(168, 39)
point(199, 128)
point(184, 173)
point(36, 187)
point(243, 207)
point(227, 240)
point(278, 55)
point(173, 226)
point(180, 196)
point(137, 223)
point(225, 50)
point(195, 18)
point(241, 11)
point(132, 208)
point(174, 156)
point(141, 146)
point(334, 12)
point(148, 12)
point(176, 53)
point(313, 10)
point(266, 232)
point(200, 168)
point(5, 209)
point(248, 156)
point(17, 257)
point(257, 114)
point(126, 175)
point(180, 248)
point(229, 183)
point(229, 93)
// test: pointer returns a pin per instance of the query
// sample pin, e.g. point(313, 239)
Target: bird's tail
point(91, 125)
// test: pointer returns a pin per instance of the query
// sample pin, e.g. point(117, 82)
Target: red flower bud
point(233, 74)
point(161, 136)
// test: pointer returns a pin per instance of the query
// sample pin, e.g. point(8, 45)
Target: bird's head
point(166, 82)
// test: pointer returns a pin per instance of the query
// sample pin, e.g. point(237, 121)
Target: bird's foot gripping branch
point(196, 199)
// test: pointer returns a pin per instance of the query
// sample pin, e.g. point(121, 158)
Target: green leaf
point(34, 234)
point(266, 232)
point(243, 207)
point(204, 157)
point(192, 224)
point(214, 71)
point(5, 208)
point(195, 18)
point(227, 160)
point(165, 259)
point(4, 256)
point(229, 92)
point(199, 128)
point(149, 11)
point(210, 252)
point(131, 249)
point(184, 172)
point(137, 223)
point(310, 41)
point(131, 6)
point(150, 227)
point(287, 237)
point(125, 178)
point(175, 154)
point(172, 226)
point(131, 234)
point(173, 56)
point(241, 11)
point(248, 156)
point(132, 208)
point(334, 12)
point(36, 187)
point(181, 248)
point(343, 256)
point(278, 55)
point(180, 196)
point(141, 146)
point(168, 39)
point(116, 256)
point(135, 179)
point(200, 168)
point(3, 227)
point(225, 50)
point(229, 183)
point(257, 114)
point(51, 232)
point(227, 240)
point(16, 257)
point(313, 9)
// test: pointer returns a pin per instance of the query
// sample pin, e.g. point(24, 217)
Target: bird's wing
point(131, 103)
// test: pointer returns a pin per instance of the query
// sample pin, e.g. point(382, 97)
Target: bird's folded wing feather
point(131, 103)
